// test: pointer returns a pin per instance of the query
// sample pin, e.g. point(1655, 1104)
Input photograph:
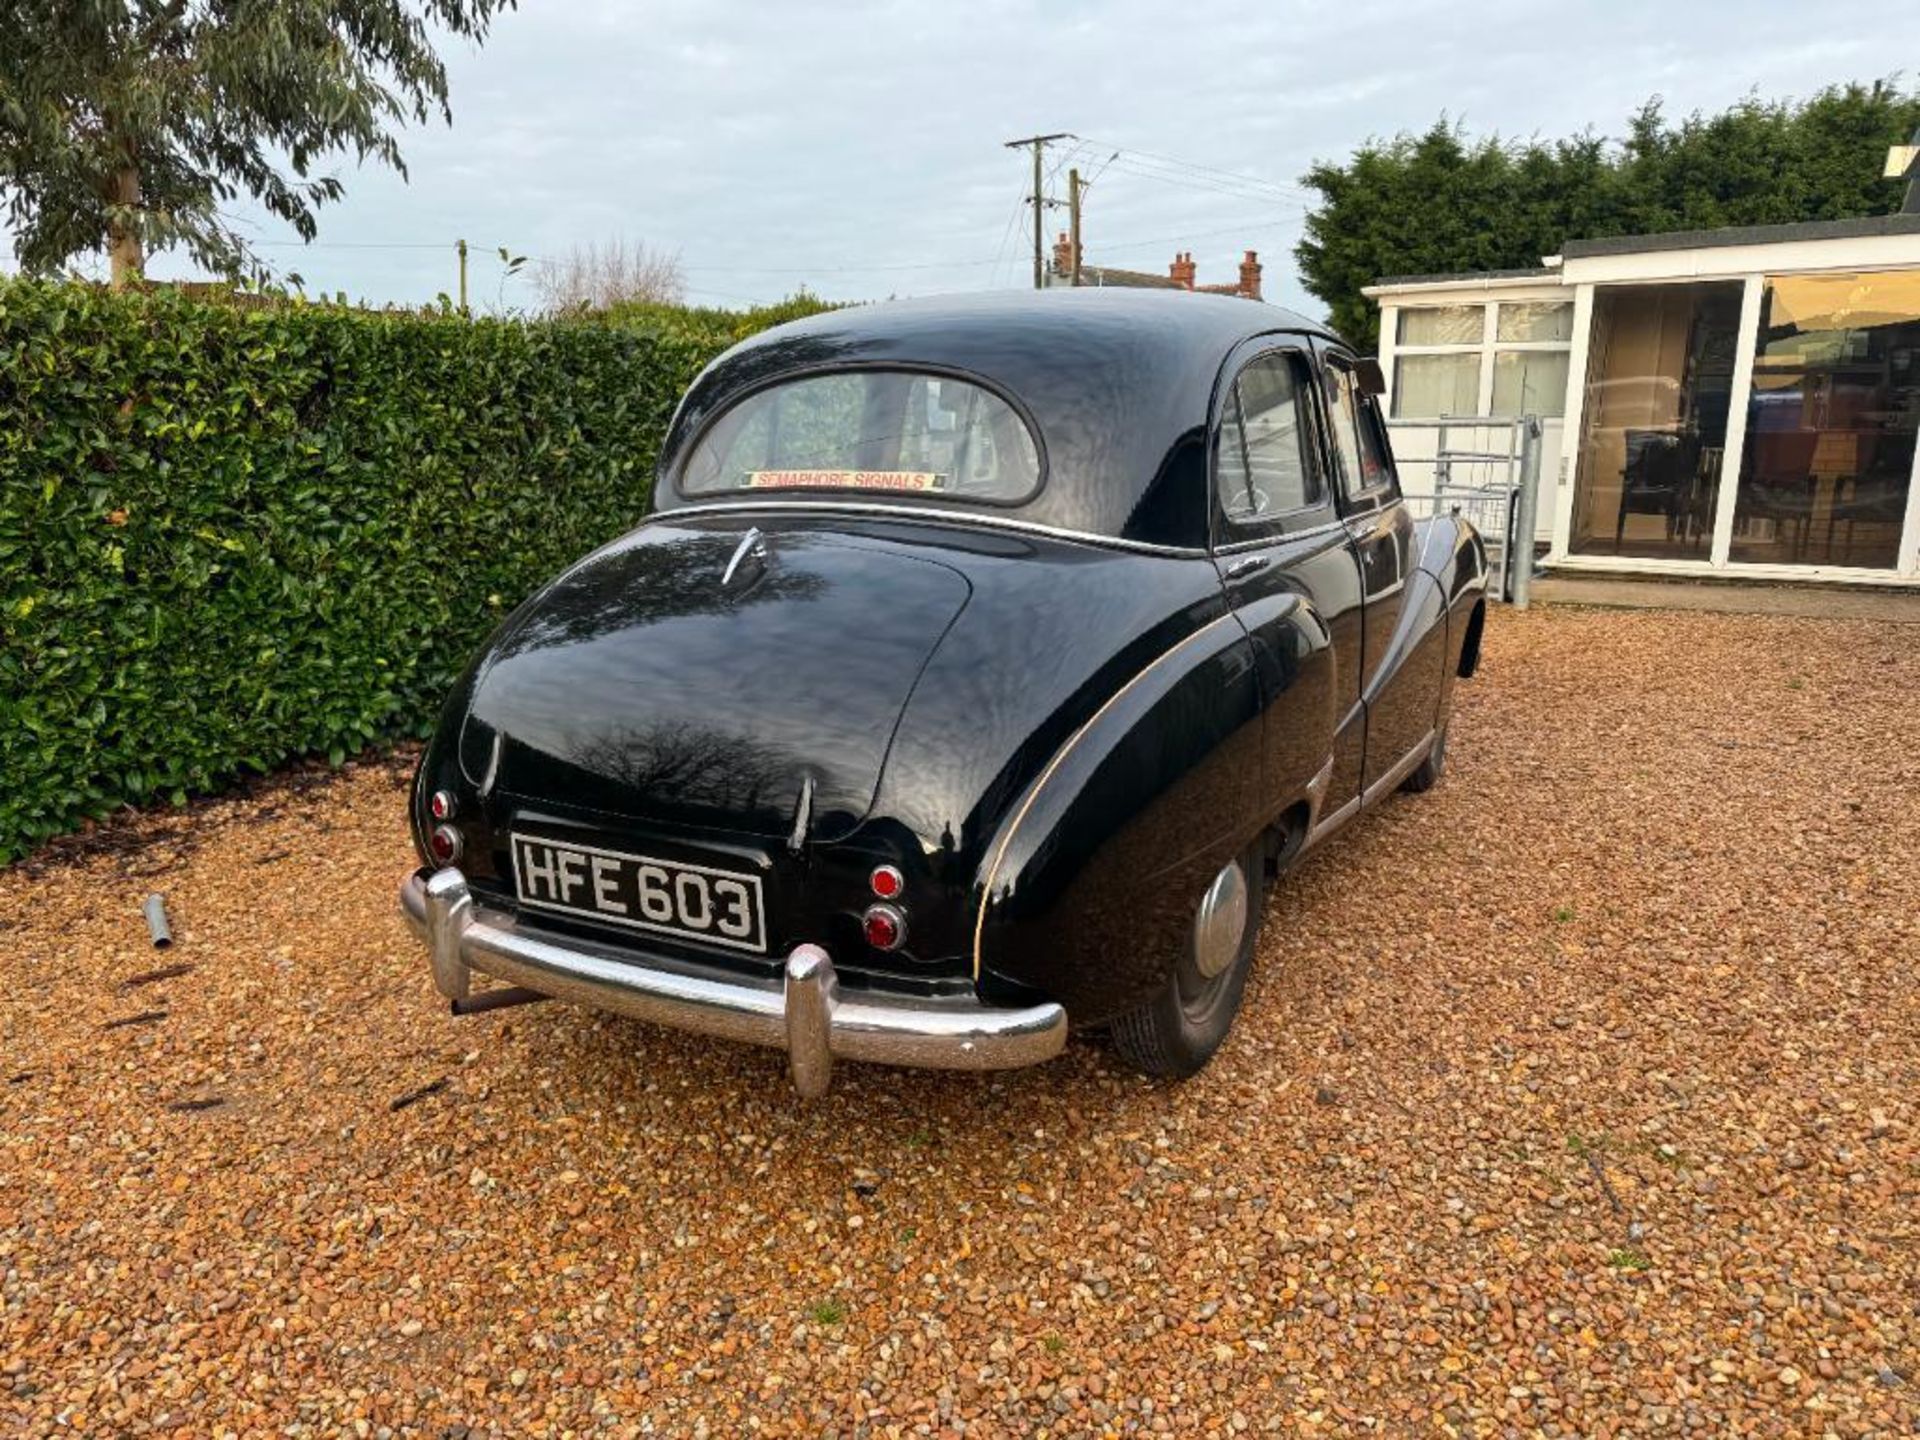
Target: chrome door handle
point(1247, 565)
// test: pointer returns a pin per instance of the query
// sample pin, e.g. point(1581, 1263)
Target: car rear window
point(873, 431)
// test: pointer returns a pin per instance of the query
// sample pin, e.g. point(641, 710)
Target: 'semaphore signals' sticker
point(846, 480)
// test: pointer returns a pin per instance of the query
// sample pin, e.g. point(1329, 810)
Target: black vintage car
point(981, 663)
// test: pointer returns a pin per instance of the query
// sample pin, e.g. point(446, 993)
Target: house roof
point(1856, 229)
point(1108, 277)
point(1446, 277)
point(1862, 227)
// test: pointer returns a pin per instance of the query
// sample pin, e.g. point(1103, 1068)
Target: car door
point(1399, 669)
point(1282, 550)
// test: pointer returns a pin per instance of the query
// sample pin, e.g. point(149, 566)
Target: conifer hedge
point(232, 536)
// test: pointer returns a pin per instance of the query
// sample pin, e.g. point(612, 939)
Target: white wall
point(1414, 446)
point(1578, 279)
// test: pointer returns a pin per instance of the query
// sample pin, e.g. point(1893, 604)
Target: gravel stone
point(1619, 1030)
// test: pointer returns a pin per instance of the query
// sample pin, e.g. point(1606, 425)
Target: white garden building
point(1724, 402)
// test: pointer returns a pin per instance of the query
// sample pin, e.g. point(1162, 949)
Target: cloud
point(858, 148)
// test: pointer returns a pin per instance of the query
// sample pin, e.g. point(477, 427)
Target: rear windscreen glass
point(869, 430)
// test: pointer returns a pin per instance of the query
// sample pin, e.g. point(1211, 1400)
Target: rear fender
point(1087, 890)
point(1451, 551)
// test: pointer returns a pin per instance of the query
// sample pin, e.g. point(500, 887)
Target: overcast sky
point(858, 148)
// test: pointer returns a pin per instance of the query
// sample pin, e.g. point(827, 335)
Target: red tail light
point(441, 805)
point(887, 882)
point(885, 927)
point(444, 842)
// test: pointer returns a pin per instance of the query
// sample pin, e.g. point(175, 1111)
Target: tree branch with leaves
point(126, 125)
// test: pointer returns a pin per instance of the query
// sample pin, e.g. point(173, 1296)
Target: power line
point(1197, 182)
point(1006, 238)
point(1211, 171)
point(1245, 227)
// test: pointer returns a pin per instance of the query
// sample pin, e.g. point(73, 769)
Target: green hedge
point(229, 537)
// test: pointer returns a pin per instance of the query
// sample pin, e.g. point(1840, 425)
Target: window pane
point(869, 430)
point(1376, 462)
point(1654, 425)
point(1830, 429)
point(1266, 454)
point(1359, 469)
point(1443, 325)
point(1430, 385)
point(1530, 382)
point(1535, 320)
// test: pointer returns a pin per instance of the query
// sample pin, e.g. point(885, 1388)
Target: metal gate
point(1493, 480)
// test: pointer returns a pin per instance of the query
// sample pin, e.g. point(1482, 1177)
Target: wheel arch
point(1144, 796)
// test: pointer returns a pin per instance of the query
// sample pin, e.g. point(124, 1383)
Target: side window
point(1266, 468)
point(1357, 441)
point(1376, 457)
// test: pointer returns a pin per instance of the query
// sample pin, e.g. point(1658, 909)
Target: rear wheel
point(1427, 774)
point(1177, 1031)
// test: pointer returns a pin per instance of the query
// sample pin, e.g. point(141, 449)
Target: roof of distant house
point(1100, 276)
point(1181, 275)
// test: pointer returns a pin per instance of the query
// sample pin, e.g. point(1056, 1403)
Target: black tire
point(1427, 774)
point(1175, 1033)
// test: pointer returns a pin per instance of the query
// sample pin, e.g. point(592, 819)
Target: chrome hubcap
point(1221, 921)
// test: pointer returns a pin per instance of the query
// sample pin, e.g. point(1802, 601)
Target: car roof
point(1118, 383)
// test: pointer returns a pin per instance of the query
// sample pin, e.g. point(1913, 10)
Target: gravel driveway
point(1578, 1097)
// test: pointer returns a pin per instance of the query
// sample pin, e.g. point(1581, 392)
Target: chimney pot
point(1063, 255)
point(1250, 275)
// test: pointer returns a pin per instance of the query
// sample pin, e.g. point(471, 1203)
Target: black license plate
point(700, 903)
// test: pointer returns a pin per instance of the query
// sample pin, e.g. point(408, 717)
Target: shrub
point(232, 536)
point(709, 325)
point(1445, 201)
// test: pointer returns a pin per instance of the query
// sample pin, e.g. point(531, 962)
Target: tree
point(598, 277)
point(125, 125)
point(1441, 202)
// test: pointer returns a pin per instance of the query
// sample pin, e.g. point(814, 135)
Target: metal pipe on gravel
point(156, 913)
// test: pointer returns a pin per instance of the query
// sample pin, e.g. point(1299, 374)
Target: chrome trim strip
point(1399, 771)
point(804, 1012)
point(1059, 757)
point(493, 765)
point(1369, 797)
point(920, 512)
point(802, 817)
point(1281, 538)
point(1317, 794)
point(1331, 823)
point(749, 545)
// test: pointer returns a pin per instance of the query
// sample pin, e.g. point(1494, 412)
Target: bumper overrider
point(804, 1013)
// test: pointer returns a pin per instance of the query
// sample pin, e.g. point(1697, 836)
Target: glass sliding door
point(1653, 427)
point(1828, 469)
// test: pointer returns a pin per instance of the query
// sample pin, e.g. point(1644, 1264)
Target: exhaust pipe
point(499, 999)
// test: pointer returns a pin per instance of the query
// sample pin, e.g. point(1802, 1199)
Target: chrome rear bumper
point(805, 1013)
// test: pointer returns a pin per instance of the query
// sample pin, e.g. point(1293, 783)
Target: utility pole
point(461, 246)
point(1039, 202)
point(1073, 224)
